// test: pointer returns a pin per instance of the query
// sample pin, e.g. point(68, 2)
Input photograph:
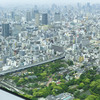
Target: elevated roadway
point(16, 69)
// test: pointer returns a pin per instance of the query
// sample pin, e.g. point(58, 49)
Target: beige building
point(37, 19)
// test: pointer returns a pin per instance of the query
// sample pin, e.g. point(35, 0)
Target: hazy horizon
point(5, 3)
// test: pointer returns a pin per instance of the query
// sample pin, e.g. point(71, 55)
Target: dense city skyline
point(50, 49)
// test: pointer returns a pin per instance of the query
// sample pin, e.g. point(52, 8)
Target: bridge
point(16, 69)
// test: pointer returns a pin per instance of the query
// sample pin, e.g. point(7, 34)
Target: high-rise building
point(88, 4)
point(34, 12)
point(57, 17)
point(5, 15)
point(37, 19)
point(28, 16)
point(44, 19)
point(79, 5)
point(12, 15)
point(5, 30)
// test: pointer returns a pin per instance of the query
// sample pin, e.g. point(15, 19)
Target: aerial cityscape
point(50, 52)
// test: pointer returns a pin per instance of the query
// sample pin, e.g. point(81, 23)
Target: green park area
point(49, 79)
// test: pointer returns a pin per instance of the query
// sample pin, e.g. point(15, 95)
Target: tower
point(34, 12)
point(57, 17)
point(44, 19)
point(28, 16)
point(37, 19)
point(5, 29)
point(12, 15)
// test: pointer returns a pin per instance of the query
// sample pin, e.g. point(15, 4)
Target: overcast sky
point(15, 2)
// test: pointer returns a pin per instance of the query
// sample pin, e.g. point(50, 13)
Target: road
point(16, 69)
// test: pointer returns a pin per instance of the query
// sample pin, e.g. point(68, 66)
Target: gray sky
point(15, 2)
